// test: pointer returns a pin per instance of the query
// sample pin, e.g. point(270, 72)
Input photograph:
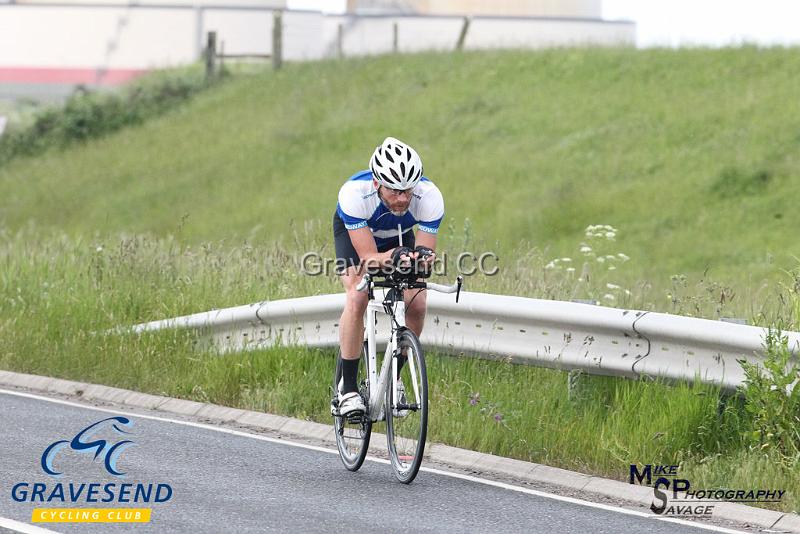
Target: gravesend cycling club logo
point(79, 443)
point(105, 441)
point(686, 501)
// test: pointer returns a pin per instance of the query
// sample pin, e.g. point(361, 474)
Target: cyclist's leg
point(351, 327)
point(416, 306)
point(351, 322)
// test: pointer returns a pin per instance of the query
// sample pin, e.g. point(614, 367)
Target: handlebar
point(366, 281)
point(453, 288)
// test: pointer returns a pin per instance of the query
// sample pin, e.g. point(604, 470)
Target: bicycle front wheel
point(352, 432)
point(407, 415)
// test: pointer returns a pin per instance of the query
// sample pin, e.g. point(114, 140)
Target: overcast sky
point(683, 22)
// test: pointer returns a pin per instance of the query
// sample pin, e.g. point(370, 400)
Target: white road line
point(380, 460)
point(25, 528)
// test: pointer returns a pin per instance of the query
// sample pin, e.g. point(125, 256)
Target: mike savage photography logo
point(79, 499)
point(675, 496)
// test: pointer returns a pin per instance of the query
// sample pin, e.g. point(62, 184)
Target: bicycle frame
point(378, 384)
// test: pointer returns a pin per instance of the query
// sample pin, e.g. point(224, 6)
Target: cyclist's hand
point(402, 256)
point(425, 255)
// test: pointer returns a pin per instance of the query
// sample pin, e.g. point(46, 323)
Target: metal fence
point(562, 335)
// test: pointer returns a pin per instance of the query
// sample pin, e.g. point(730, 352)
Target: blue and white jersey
point(360, 206)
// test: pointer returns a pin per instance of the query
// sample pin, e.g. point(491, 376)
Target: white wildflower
point(622, 256)
point(612, 268)
point(612, 286)
point(627, 293)
point(550, 265)
point(566, 260)
point(601, 259)
point(610, 235)
point(586, 249)
point(570, 269)
point(609, 297)
point(99, 248)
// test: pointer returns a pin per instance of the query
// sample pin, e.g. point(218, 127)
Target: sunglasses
point(399, 192)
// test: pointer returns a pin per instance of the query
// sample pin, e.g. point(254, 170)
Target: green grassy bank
point(689, 156)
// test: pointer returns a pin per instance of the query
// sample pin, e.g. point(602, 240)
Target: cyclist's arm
point(364, 244)
point(425, 239)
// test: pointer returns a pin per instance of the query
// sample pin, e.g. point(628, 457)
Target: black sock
point(350, 375)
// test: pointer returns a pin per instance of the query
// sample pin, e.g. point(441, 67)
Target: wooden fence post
point(340, 41)
point(277, 40)
point(211, 55)
point(463, 36)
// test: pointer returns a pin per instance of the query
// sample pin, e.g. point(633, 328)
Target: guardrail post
point(211, 55)
point(394, 38)
point(463, 35)
point(574, 384)
point(277, 40)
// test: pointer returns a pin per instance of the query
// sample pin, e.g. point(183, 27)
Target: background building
point(516, 8)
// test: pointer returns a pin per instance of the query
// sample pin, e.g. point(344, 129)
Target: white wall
point(39, 36)
point(243, 32)
point(541, 33)
point(150, 37)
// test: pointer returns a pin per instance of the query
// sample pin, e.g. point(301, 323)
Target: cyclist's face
point(397, 200)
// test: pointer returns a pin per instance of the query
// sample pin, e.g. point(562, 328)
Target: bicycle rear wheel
point(407, 417)
point(352, 432)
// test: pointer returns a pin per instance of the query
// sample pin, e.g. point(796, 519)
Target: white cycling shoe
point(350, 403)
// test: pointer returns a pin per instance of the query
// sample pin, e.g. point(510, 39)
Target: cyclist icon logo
point(81, 443)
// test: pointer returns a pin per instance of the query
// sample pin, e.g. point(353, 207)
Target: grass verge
point(56, 292)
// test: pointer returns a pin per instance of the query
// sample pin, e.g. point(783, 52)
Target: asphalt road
point(235, 482)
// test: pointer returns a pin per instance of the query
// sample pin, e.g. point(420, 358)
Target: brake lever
point(364, 283)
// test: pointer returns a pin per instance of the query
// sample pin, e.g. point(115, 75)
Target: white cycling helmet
point(396, 165)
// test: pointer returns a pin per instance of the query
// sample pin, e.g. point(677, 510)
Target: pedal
point(356, 418)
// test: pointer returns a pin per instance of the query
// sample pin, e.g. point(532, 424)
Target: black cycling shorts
point(346, 254)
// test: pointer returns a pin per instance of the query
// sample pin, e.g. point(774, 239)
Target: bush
point(87, 115)
point(772, 401)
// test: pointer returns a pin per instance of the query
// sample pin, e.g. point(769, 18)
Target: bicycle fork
point(378, 384)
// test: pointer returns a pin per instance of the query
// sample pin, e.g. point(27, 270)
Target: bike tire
point(352, 433)
point(406, 434)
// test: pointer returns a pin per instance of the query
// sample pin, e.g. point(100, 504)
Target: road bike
point(398, 393)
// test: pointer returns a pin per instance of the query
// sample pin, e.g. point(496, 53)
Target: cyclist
point(375, 208)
